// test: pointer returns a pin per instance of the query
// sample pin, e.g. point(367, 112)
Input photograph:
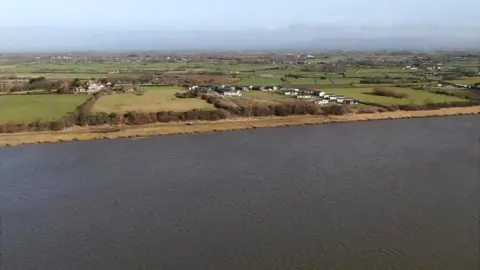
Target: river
point(400, 194)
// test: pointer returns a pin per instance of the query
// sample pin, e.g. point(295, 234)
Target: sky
point(233, 15)
point(52, 25)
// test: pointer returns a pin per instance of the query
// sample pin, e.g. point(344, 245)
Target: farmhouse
point(270, 88)
point(240, 88)
point(80, 90)
point(90, 88)
point(228, 92)
point(235, 93)
point(65, 86)
point(350, 101)
point(303, 96)
point(290, 92)
point(318, 93)
point(306, 91)
point(202, 88)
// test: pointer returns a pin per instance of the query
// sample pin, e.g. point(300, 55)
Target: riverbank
point(124, 131)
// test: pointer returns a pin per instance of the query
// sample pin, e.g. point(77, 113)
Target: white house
point(271, 88)
point(340, 99)
point(93, 88)
point(332, 97)
point(290, 93)
point(322, 102)
point(236, 93)
point(319, 93)
point(303, 96)
point(80, 90)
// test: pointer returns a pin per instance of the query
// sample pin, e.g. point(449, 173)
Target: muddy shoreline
point(125, 131)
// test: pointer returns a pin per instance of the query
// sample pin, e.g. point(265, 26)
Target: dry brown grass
point(93, 133)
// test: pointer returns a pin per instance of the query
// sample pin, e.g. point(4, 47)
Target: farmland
point(154, 99)
point(472, 94)
point(416, 97)
point(258, 80)
point(466, 80)
point(261, 97)
point(29, 108)
point(25, 79)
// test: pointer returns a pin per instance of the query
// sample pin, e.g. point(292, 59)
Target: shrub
point(12, 128)
point(39, 126)
point(189, 94)
point(377, 81)
point(57, 125)
point(449, 77)
point(390, 108)
point(369, 110)
point(388, 92)
point(258, 110)
point(139, 118)
point(98, 119)
point(334, 109)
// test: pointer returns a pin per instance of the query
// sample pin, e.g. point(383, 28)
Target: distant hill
point(297, 37)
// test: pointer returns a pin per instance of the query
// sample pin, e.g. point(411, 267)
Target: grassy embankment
point(93, 133)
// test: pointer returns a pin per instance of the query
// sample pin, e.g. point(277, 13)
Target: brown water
point(398, 194)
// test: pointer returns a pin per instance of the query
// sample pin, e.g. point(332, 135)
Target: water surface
point(398, 194)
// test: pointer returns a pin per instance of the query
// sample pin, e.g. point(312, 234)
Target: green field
point(324, 80)
point(473, 94)
point(414, 96)
point(468, 63)
point(326, 72)
point(29, 108)
point(155, 99)
point(308, 81)
point(320, 86)
point(261, 97)
point(467, 80)
point(382, 70)
point(257, 80)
